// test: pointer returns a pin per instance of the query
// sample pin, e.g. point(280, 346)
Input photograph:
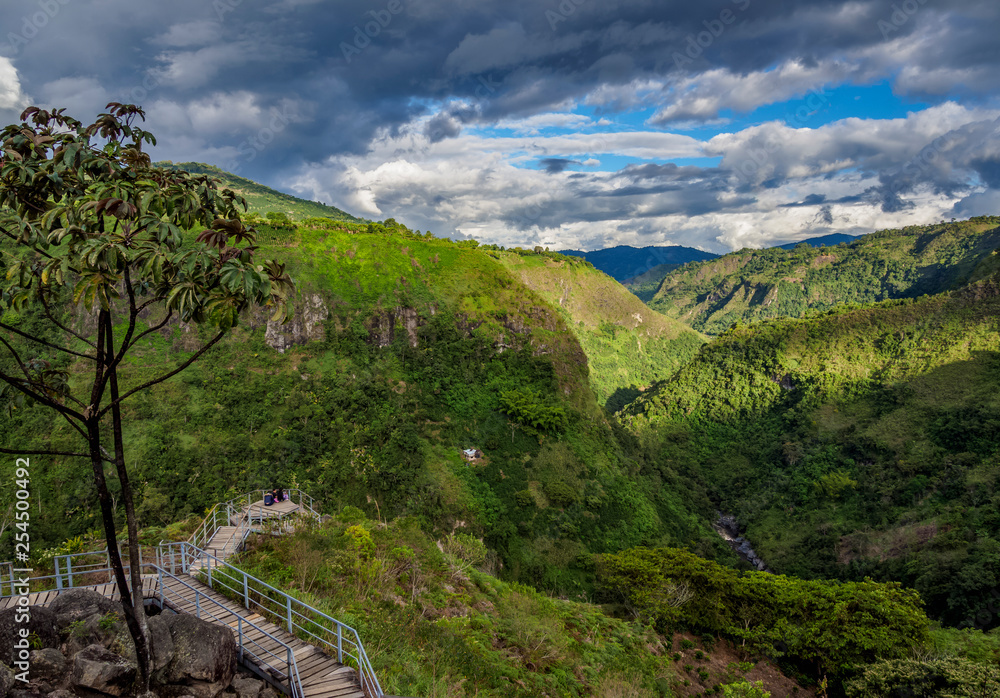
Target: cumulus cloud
point(444, 110)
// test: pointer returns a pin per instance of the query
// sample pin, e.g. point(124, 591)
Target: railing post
point(288, 606)
point(58, 577)
point(246, 593)
point(184, 567)
point(239, 635)
point(288, 671)
point(159, 575)
point(340, 644)
point(69, 570)
point(197, 604)
point(208, 564)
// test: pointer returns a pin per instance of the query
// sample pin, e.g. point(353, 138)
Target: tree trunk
point(142, 649)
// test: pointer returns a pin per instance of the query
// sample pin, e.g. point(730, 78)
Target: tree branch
point(17, 239)
point(152, 329)
point(162, 378)
point(48, 402)
point(18, 452)
point(48, 314)
point(44, 343)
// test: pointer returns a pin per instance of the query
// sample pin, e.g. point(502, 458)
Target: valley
point(840, 403)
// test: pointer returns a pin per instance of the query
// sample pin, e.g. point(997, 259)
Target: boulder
point(101, 670)
point(42, 625)
point(48, 666)
point(161, 646)
point(204, 658)
point(247, 687)
point(81, 604)
point(6, 680)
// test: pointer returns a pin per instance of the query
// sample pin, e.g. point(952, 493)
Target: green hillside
point(403, 350)
point(628, 346)
point(261, 199)
point(859, 443)
point(752, 285)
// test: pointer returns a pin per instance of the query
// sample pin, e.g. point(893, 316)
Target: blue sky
point(578, 123)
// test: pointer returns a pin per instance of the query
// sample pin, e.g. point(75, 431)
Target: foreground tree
point(87, 221)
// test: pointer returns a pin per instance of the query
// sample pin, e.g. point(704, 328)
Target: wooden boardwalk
point(321, 675)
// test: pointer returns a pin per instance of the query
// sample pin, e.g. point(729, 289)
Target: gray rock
point(268, 692)
point(101, 670)
point(247, 688)
point(204, 658)
point(7, 680)
point(81, 604)
point(61, 693)
point(41, 625)
point(48, 666)
point(161, 646)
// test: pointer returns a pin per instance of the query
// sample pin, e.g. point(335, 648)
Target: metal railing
point(248, 646)
point(246, 506)
point(79, 570)
point(298, 618)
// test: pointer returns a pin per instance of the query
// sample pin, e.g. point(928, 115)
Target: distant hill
point(753, 285)
point(624, 262)
point(821, 241)
point(261, 199)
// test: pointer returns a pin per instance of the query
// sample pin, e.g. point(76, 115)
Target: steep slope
point(261, 199)
point(403, 350)
point(858, 443)
point(623, 262)
point(626, 343)
point(752, 285)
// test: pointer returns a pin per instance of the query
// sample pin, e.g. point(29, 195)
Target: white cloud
point(478, 186)
point(11, 96)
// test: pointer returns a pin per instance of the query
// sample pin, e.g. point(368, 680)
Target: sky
point(578, 124)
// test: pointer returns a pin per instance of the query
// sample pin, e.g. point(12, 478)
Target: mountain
point(261, 199)
point(623, 262)
point(821, 241)
point(627, 344)
point(859, 443)
point(403, 350)
point(753, 285)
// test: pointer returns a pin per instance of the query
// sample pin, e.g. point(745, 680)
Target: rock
point(268, 692)
point(247, 688)
point(49, 666)
point(161, 646)
point(101, 670)
point(6, 680)
point(204, 658)
point(61, 693)
point(81, 604)
point(41, 624)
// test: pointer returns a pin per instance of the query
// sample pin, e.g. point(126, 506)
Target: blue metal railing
point(299, 618)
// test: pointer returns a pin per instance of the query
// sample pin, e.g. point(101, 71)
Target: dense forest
point(751, 285)
point(853, 437)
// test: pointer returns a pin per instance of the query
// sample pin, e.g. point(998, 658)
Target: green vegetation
point(832, 627)
point(435, 624)
point(628, 346)
point(261, 199)
point(752, 285)
point(415, 344)
point(856, 444)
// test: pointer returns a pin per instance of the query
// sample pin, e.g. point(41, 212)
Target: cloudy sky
point(568, 123)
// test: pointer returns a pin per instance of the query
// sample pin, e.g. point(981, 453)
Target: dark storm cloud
point(368, 65)
point(268, 87)
point(556, 165)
